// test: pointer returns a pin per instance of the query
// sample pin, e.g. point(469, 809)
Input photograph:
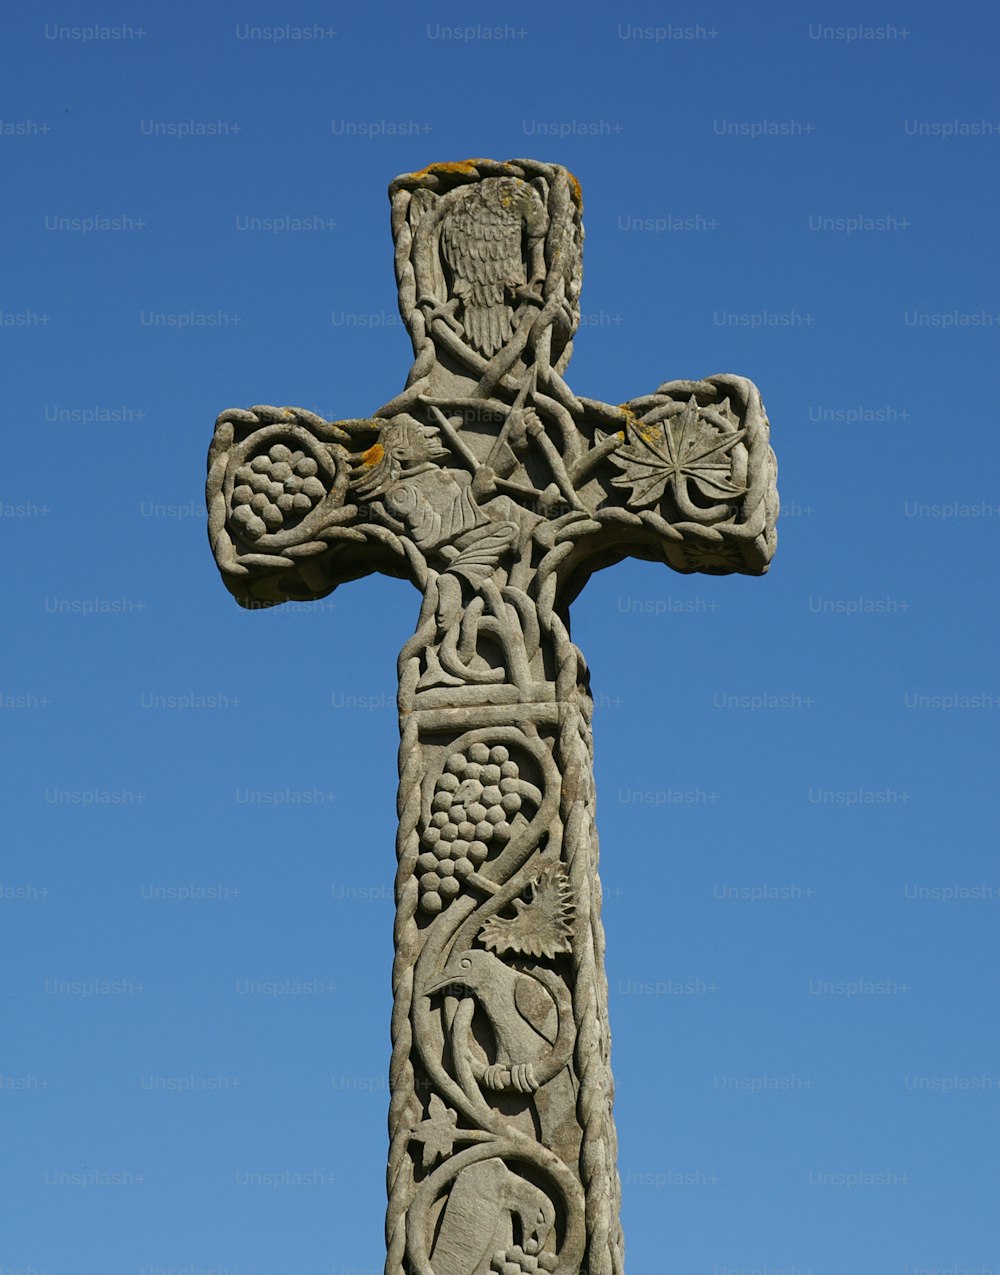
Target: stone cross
point(495, 490)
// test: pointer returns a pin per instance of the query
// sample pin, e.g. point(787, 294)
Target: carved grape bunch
point(275, 490)
point(474, 803)
point(522, 1261)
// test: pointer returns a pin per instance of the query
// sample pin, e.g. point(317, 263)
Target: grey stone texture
point(497, 491)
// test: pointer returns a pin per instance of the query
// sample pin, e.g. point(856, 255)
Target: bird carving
point(482, 243)
point(524, 1020)
point(521, 1013)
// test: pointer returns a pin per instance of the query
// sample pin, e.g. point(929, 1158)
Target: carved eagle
point(482, 243)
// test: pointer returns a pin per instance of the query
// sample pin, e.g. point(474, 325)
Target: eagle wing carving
point(481, 243)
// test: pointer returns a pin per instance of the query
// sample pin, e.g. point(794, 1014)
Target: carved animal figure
point(485, 1203)
point(524, 1021)
point(481, 242)
point(521, 1012)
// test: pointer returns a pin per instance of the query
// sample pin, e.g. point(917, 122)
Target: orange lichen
point(450, 166)
point(373, 455)
point(576, 189)
point(648, 432)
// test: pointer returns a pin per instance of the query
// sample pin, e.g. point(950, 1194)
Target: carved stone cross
point(496, 490)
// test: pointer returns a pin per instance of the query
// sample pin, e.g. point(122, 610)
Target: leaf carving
point(543, 925)
point(438, 1134)
point(684, 447)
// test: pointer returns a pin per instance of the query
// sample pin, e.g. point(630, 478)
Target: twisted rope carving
point(404, 1106)
point(572, 759)
point(605, 1253)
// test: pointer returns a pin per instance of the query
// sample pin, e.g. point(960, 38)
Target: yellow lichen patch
point(373, 455)
point(648, 432)
point(577, 190)
point(451, 166)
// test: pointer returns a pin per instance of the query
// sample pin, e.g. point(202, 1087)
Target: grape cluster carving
point(474, 803)
point(522, 1261)
point(274, 491)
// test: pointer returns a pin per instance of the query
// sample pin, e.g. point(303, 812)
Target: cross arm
point(684, 476)
point(282, 520)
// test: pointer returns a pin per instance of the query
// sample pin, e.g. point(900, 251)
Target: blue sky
point(796, 774)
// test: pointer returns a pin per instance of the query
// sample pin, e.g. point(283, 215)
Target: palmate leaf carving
point(684, 446)
point(543, 926)
point(439, 1133)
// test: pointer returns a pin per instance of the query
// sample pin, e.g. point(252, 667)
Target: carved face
point(408, 442)
point(404, 446)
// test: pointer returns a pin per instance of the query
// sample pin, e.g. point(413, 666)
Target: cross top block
point(496, 252)
point(487, 464)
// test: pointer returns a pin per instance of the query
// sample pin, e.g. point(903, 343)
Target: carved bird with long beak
point(524, 1020)
point(522, 1015)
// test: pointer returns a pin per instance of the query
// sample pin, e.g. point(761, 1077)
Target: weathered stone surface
point(497, 491)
